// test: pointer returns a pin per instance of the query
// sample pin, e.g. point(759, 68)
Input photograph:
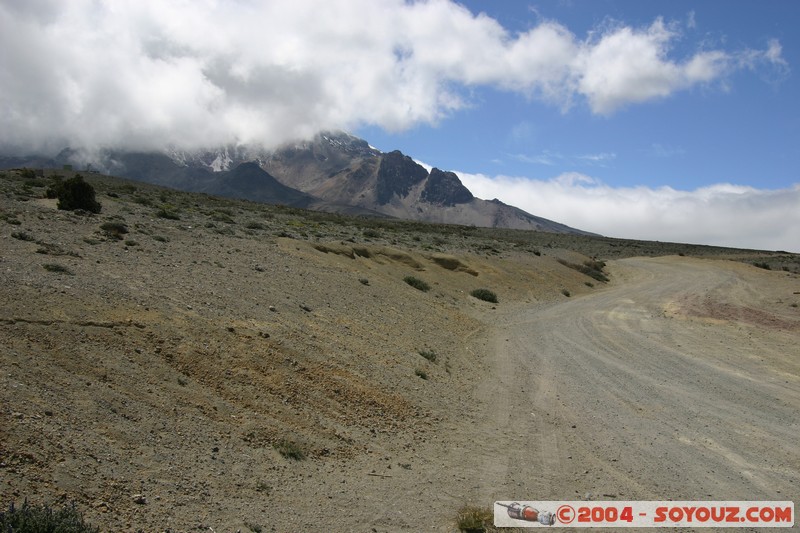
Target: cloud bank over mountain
point(722, 214)
point(145, 73)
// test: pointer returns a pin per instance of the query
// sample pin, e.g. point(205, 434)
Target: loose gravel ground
point(155, 379)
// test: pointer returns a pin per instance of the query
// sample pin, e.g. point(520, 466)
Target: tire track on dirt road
point(611, 396)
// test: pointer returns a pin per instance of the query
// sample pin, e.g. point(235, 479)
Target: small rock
point(48, 412)
point(305, 308)
point(139, 498)
point(272, 308)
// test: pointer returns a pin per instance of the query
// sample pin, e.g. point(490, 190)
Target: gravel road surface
point(681, 381)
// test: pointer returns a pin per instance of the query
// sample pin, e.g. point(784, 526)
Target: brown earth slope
point(155, 379)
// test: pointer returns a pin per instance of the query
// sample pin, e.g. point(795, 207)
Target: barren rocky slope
point(164, 380)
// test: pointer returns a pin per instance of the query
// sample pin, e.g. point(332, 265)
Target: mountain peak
point(397, 173)
point(445, 188)
point(333, 171)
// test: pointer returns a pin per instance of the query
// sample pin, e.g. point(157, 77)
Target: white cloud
point(598, 159)
point(722, 214)
point(665, 151)
point(691, 20)
point(628, 66)
point(143, 73)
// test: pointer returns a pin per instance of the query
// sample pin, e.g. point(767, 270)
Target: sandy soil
point(154, 382)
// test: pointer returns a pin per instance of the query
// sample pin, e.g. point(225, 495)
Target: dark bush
point(485, 294)
point(58, 269)
point(168, 213)
point(73, 194)
point(28, 173)
point(43, 519)
point(417, 283)
point(290, 450)
point(430, 355)
point(114, 230)
point(592, 268)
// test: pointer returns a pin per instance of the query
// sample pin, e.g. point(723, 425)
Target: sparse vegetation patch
point(417, 283)
point(43, 519)
point(114, 230)
point(473, 519)
point(290, 450)
point(168, 212)
point(485, 294)
point(592, 268)
point(430, 355)
point(58, 269)
point(22, 236)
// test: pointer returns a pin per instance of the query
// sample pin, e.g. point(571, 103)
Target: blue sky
point(743, 129)
point(659, 120)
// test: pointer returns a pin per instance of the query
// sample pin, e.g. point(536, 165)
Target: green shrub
point(763, 265)
point(21, 235)
point(592, 268)
point(11, 219)
point(290, 450)
point(222, 216)
point(58, 269)
point(143, 200)
point(28, 173)
point(421, 373)
point(73, 194)
point(430, 355)
point(168, 212)
point(565, 292)
point(475, 519)
point(485, 294)
point(43, 519)
point(114, 230)
point(417, 283)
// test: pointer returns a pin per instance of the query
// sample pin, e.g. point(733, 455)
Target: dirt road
point(682, 381)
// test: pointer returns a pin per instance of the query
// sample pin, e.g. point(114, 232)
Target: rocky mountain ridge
point(334, 172)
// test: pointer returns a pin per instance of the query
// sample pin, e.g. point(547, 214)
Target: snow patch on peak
point(222, 162)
